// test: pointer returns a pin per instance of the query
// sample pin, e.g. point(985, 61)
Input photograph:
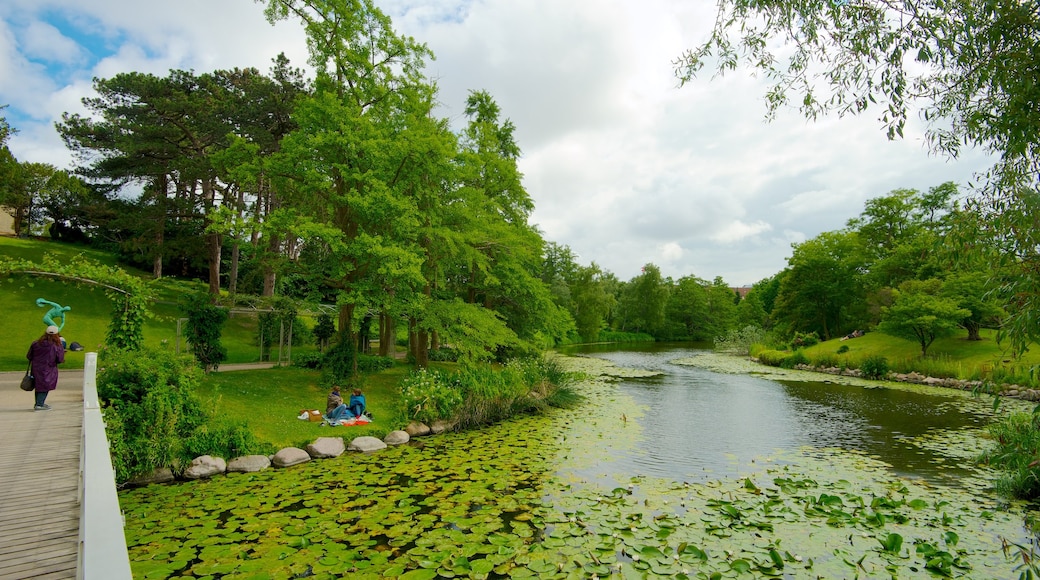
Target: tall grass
point(1017, 440)
point(479, 395)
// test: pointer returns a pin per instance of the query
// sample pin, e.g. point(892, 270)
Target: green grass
point(269, 401)
point(952, 356)
point(88, 320)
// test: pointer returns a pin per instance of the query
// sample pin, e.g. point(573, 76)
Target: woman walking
point(45, 354)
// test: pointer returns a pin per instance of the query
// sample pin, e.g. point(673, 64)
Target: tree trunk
point(346, 330)
point(233, 274)
point(973, 330)
point(422, 349)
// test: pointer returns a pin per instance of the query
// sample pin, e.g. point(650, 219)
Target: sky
point(625, 167)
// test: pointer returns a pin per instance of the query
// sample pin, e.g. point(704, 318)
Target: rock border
point(206, 466)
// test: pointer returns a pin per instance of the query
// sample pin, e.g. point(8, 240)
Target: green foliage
point(874, 367)
point(429, 395)
point(224, 438)
point(324, 329)
point(1017, 439)
point(150, 408)
point(773, 358)
point(615, 336)
point(340, 363)
point(739, 341)
point(367, 363)
point(843, 349)
point(205, 322)
point(444, 354)
point(308, 360)
point(481, 394)
point(802, 339)
point(794, 359)
point(920, 314)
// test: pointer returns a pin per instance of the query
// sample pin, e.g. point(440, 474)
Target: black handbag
point(28, 381)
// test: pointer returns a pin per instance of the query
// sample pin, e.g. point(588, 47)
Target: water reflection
point(701, 425)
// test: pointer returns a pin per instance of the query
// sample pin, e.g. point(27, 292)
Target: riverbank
point(732, 364)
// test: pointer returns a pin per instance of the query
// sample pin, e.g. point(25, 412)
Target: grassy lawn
point(269, 401)
point(957, 355)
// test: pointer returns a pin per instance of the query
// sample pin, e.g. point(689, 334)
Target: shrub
point(843, 349)
point(367, 363)
point(150, 408)
point(308, 360)
point(1018, 443)
point(444, 354)
point(205, 322)
point(772, 358)
point(825, 361)
point(803, 339)
point(874, 367)
point(338, 365)
point(324, 329)
point(227, 440)
point(794, 359)
point(739, 341)
point(430, 395)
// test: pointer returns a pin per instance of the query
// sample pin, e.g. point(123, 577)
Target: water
point(698, 424)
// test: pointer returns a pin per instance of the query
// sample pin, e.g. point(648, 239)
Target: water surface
point(698, 424)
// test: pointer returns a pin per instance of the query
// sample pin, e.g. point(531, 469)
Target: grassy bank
point(953, 357)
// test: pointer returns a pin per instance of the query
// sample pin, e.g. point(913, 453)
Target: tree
point(643, 301)
point(968, 67)
point(591, 301)
point(821, 290)
point(205, 322)
point(921, 314)
point(968, 290)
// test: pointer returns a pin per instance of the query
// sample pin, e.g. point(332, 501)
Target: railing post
point(102, 545)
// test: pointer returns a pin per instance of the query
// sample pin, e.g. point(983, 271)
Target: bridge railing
point(102, 545)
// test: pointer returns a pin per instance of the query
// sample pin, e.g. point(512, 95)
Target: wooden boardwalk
point(40, 479)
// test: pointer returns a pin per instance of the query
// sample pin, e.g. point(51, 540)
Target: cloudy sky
point(624, 166)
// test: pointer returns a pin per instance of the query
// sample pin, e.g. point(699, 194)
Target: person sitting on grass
point(334, 400)
point(357, 403)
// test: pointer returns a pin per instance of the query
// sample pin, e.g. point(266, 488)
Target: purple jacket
point(45, 357)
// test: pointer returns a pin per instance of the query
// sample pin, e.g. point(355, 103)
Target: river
point(698, 424)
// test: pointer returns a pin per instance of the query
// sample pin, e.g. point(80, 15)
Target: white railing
point(102, 545)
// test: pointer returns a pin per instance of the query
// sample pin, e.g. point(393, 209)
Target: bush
point(772, 358)
point(1018, 443)
point(794, 359)
point(338, 365)
point(150, 408)
point(843, 349)
point(825, 361)
point(308, 360)
point(227, 440)
point(803, 339)
point(430, 395)
point(205, 322)
point(874, 367)
point(444, 354)
point(367, 363)
point(740, 341)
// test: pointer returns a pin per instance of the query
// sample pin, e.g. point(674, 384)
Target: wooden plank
point(39, 473)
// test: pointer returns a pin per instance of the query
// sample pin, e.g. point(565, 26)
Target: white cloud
point(738, 230)
point(43, 41)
